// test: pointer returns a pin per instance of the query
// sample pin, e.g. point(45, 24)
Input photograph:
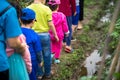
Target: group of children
point(25, 66)
point(44, 42)
point(65, 16)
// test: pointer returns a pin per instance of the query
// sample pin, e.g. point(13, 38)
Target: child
point(81, 14)
point(61, 27)
point(32, 39)
point(68, 8)
point(18, 69)
point(42, 26)
point(75, 18)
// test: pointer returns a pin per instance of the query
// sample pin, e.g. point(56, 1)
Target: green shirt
point(43, 16)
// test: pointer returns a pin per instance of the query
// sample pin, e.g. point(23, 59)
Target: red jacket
point(67, 7)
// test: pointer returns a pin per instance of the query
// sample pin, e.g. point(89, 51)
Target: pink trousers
point(56, 48)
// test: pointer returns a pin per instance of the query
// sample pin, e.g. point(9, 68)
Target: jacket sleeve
point(26, 56)
point(73, 5)
point(38, 48)
point(64, 24)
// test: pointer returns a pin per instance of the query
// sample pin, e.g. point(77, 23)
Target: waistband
point(44, 33)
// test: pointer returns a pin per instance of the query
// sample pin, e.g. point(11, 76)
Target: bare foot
point(80, 26)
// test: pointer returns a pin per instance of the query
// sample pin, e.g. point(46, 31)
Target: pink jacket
point(26, 57)
point(60, 23)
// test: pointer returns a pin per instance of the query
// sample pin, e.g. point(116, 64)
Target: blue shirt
point(33, 41)
point(10, 24)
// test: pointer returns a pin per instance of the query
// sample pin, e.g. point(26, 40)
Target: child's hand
point(29, 71)
point(24, 45)
point(56, 37)
point(66, 35)
point(75, 13)
point(21, 49)
point(41, 64)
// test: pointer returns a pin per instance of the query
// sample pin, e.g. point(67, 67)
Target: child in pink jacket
point(26, 55)
point(59, 20)
point(20, 64)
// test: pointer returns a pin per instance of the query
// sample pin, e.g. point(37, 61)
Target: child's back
point(32, 39)
point(60, 23)
point(59, 20)
point(33, 42)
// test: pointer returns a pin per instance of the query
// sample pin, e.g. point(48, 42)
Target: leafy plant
point(115, 35)
point(23, 3)
point(117, 76)
point(88, 78)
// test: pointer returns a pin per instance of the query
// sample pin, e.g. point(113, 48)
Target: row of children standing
point(18, 64)
point(52, 28)
point(62, 14)
point(42, 40)
point(25, 66)
point(65, 17)
point(60, 23)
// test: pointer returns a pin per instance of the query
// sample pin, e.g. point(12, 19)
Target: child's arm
point(27, 59)
point(9, 51)
point(73, 6)
point(39, 57)
point(15, 44)
point(26, 56)
point(67, 34)
point(52, 28)
point(38, 49)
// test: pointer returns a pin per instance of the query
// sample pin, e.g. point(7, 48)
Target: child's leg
point(75, 19)
point(80, 25)
point(46, 46)
point(68, 39)
point(33, 74)
point(58, 51)
point(53, 48)
point(81, 14)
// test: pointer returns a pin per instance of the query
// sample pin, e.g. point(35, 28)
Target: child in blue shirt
point(32, 39)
